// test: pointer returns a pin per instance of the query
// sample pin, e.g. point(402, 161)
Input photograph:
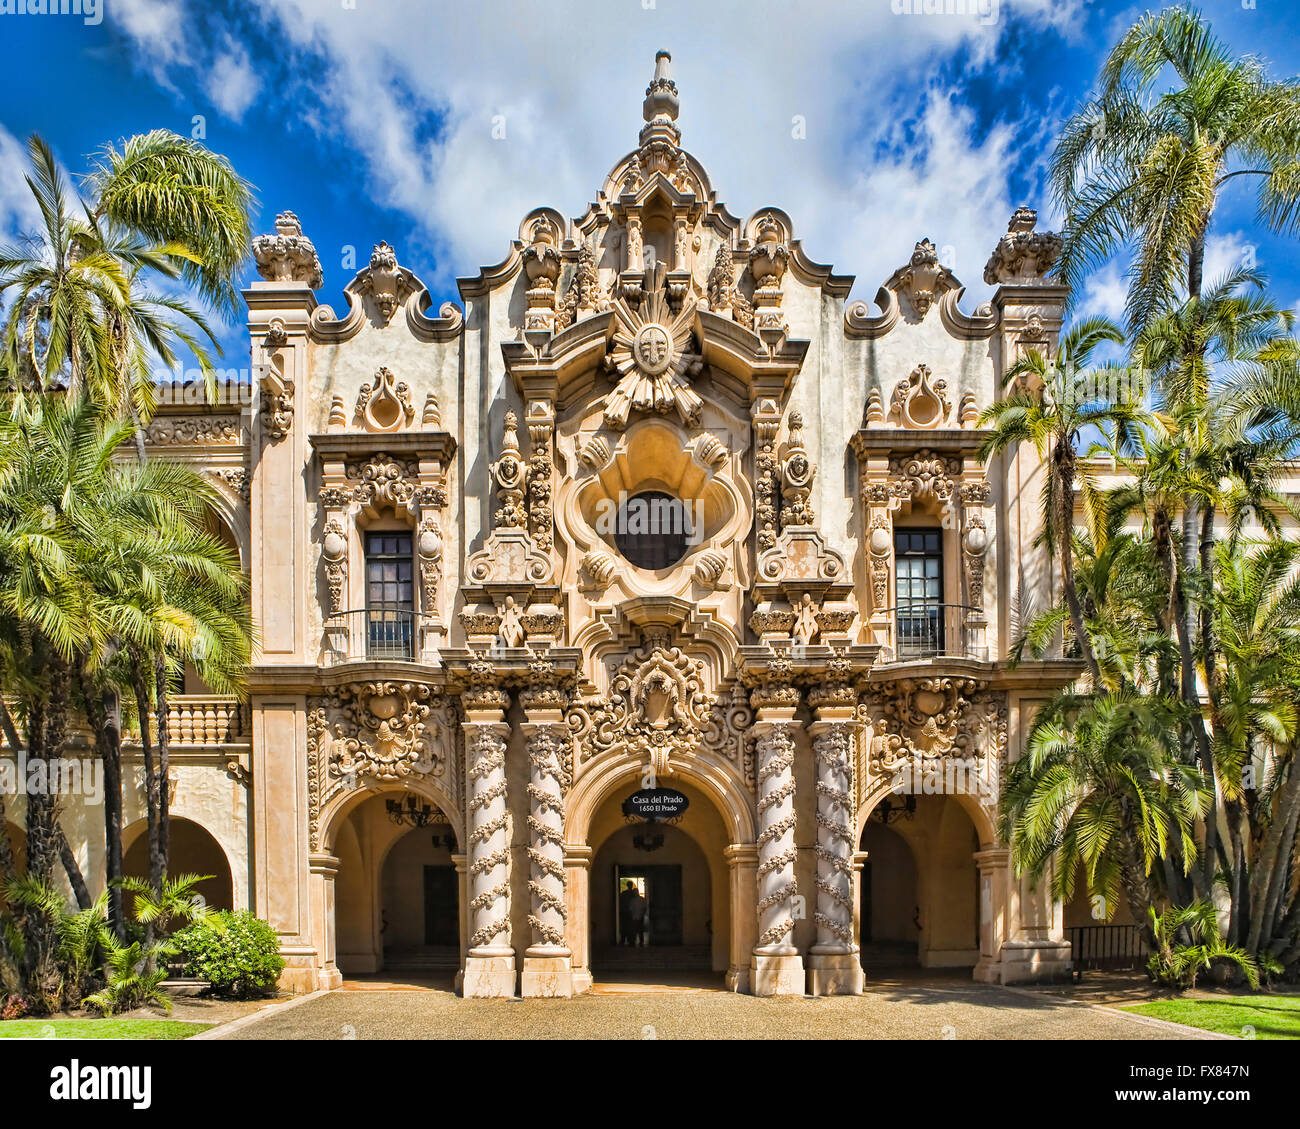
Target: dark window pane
point(653, 530)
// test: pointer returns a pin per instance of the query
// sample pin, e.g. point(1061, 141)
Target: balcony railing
point(924, 629)
point(373, 633)
point(201, 719)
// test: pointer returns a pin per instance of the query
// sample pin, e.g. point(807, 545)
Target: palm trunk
point(1271, 866)
point(72, 869)
point(101, 712)
point(1063, 456)
point(8, 867)
point(164, 761)
point(1137, 889)
point(143, 709)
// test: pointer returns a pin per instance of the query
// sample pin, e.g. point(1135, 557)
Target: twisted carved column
point(832, 749)
point(490, 963)
point(834, 965)
point(546, 830)
point(777, 968)
point(548, 962)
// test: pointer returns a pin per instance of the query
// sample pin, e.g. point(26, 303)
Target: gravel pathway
point(896, 1010)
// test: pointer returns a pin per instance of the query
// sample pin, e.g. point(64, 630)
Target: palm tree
point(1099, 791)
point(1053, 401)
point(80, 311)
point(93, 551)
point(1141, 168)
point(1257, 690)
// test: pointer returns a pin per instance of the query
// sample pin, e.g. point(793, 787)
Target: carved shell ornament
point(919, 401)
point(384, 404)
point(650, 354)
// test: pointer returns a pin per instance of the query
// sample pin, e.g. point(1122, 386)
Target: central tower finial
point(661, 104)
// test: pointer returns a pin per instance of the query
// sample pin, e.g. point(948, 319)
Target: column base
point(488, 978)
point(327, 979)
point(1028, 962)
point(582, 981)
point(547, 976)
point(738, 978)
point(835, 974)
point(777, 975)
point(301, 970)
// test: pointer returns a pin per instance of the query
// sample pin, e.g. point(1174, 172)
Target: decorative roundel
point(653, 349)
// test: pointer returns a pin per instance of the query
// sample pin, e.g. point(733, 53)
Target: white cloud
point(157, 29)
point(232, 83)
point(1106, 293)
point(19, 213)
point(416, 90)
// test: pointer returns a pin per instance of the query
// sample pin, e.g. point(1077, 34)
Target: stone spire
point(661, 105)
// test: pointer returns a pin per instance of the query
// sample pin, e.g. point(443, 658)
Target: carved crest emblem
point(651, 356)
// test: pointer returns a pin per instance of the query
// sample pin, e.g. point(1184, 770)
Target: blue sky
point(382, 119)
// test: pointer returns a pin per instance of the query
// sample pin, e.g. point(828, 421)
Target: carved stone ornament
point(922, 276)
point(380, 731)
point(725, 298)
point(180, 431)
point(384, 403)
point(334, 550)
point(385, 280)
point(384, 480)
point(288, 255)
point(651, 356)
point(585, 295)
point(1023, 255)
point(921, 716)
point(656, 702)
point(919, 401)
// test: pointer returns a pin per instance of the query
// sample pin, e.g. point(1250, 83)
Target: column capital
point(740, 854)
point(323, 864)
point(991, 858)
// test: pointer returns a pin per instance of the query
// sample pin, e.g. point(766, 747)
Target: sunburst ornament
point(651, 355)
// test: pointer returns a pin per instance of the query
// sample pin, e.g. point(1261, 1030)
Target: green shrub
point(237, 953)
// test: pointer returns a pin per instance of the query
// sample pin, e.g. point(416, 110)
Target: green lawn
point(99, 1029)
point(1271, 1017)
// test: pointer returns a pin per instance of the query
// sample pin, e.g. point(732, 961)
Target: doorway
point(660, 890)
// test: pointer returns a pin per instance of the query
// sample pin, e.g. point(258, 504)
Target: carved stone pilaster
point(490, 964)
point(541, 468)
point(797, 473)
point(767, 263)
point(767, 418)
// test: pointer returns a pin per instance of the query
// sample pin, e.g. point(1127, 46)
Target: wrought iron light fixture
point(887, 811)
point(411, 811)
point(648, 840)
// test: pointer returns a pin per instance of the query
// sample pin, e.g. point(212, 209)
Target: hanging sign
point(655, 805)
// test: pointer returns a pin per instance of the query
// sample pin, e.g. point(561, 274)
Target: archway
point(397, 894)
point(890, 900)
point(683, 873)
point(920, 899)
point(191, 849)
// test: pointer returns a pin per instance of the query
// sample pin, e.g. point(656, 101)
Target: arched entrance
point(397, 903)
point(191, 849)
point(652, 902)
point(890, 900)
point(693, 873)
point(920, 902)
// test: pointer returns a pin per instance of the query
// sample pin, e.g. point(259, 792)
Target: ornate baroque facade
point(457, 615)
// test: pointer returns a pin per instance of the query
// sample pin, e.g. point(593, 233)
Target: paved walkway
point(914, 1008)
